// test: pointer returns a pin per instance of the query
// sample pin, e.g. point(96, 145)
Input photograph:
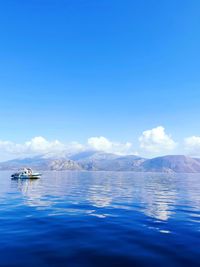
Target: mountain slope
point(100, 161)
point(41, 163)
point(174, 163)
point(106, 161)
point(37, 163)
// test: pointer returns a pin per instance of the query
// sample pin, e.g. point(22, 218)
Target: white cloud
point(192, 145)
point(7, 146)
point(100, 143)
point(156, 141)
point(103, 144)
point(39, 145)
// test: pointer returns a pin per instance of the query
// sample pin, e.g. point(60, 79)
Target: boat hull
point(23, 176)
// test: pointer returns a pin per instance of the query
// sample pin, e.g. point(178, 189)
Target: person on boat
point(26, 171)
point(29, 171)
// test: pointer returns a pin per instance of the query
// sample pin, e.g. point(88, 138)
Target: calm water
point(100, 219)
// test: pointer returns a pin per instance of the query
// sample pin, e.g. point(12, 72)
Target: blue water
point(100, 219)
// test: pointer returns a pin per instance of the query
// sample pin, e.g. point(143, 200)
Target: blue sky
point(71, 70)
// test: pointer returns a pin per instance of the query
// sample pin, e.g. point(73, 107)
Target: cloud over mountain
point(152, 142)
point(35, 146)
point(192, 145)
point(103, 144)
point(156, 141)
point(39, 145)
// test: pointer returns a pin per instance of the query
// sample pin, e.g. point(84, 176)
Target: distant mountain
point(41, 163)
point(64, 164)
point(95, 160)
point(37, 163)
point(179, 164)
point(100, 161)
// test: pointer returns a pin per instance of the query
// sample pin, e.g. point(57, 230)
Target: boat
point(26, 173)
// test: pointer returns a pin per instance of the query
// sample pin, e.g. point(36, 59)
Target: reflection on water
point(159, 196)
point(100, 219)
point(156, 195)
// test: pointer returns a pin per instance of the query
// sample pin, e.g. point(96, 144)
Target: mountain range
point(100, 161)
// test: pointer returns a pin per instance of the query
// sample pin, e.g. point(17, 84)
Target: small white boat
point(26, 173)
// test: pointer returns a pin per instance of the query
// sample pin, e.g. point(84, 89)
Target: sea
point(100, 219)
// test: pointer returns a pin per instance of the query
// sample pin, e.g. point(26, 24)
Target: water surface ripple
point(100, 219)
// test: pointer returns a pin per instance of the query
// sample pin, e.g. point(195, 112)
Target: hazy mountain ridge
point(100, 161)
point(172, 163)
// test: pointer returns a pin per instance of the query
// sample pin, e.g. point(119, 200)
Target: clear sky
point(75, 69)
